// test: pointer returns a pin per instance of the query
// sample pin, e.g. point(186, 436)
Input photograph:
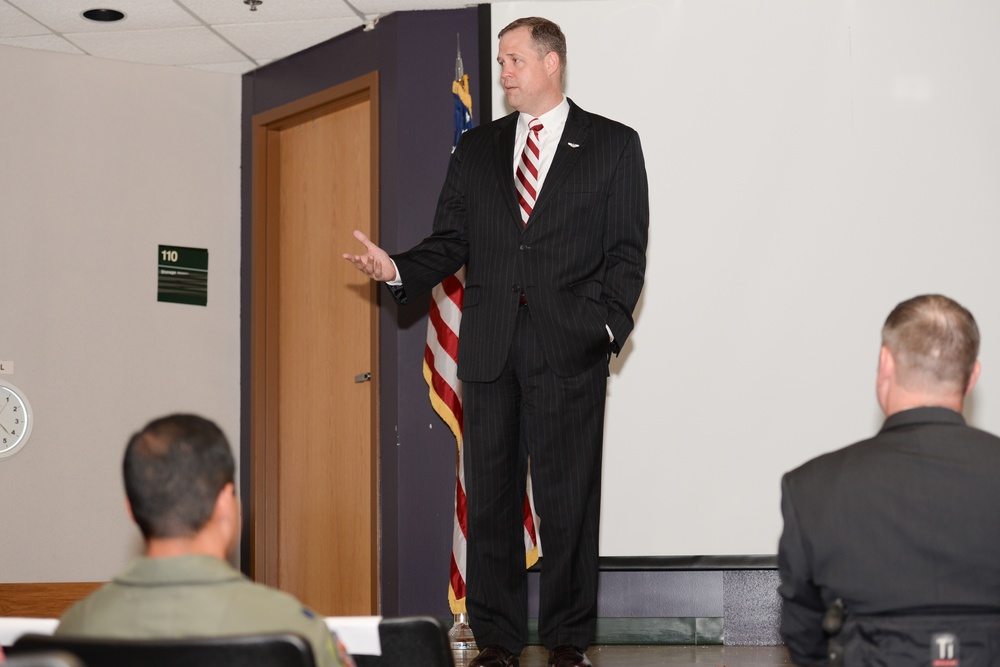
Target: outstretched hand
point(375, 263)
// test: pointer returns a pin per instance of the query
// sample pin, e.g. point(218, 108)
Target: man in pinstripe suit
point(550, 289)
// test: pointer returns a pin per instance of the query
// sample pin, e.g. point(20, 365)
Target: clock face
point(15, 420)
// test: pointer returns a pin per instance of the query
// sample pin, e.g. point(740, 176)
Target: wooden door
point(314, 338)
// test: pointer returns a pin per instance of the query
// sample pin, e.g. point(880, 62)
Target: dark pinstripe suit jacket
point(580, 261)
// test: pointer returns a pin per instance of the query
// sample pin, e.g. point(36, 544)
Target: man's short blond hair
point(546, 37)
point(935, 342)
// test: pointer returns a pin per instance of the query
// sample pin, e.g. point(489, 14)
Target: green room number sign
point(183, 275)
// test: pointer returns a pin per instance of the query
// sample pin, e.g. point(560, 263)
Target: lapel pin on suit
point(572, 145)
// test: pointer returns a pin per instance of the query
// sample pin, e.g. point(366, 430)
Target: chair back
point(934, 640)
point(410, 641)
point(259, 650)
point(44, 659)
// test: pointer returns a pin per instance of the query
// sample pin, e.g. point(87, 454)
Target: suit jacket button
point(515, 288)
point(524, 247)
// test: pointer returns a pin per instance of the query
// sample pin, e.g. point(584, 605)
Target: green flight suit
point(194, 596)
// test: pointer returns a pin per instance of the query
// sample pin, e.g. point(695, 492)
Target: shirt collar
point(552, 119)
point(925, 415)
point(177, 570)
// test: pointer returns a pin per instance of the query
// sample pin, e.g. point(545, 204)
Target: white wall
point(100, 162)
point(811, 165)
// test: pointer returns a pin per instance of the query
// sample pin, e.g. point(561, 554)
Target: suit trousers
point(557, 422)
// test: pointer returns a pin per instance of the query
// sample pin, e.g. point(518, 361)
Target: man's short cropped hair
point(935, 342)
point(174, 469)
point(546, 36)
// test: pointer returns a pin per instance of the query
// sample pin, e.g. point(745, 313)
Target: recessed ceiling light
point(103, 15)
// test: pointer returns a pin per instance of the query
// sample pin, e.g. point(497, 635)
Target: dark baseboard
point(661, 563)
point(731, 600)
point(666, 563)
point(677, 631)
point(659, 631)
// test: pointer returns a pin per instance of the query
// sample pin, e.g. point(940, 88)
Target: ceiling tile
point(15, 23)
point(42, 43)
point(65, 15)
point(228, 68)
point(277, 40)
point(235, 11)
point(175, 46)
point(380, 7)
point(217, 35)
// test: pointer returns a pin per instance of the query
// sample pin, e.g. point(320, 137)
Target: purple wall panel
point(414, 54)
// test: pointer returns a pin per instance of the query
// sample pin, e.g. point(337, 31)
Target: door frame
point(265, 128)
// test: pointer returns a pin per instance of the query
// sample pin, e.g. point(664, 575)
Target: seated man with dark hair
point(179, 481)
point(903, 529)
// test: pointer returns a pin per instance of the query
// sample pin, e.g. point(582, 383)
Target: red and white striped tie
point(527, 171)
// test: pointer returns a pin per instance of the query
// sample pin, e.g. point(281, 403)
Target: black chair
point(44, 659)
point(260, 650)
point(935, 640)
point(410, 641)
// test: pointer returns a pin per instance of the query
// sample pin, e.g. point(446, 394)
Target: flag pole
point(460, 635)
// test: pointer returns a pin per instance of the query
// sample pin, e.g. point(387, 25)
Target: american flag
point(441, 374)
point(445, 390)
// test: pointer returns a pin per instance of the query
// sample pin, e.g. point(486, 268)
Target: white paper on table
point(12, 627)
point(359, 634)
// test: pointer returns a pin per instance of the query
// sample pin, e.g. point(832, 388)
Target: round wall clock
point(15, 419)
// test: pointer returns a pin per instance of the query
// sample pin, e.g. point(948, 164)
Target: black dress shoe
point(494, 655)
point(568, 656)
